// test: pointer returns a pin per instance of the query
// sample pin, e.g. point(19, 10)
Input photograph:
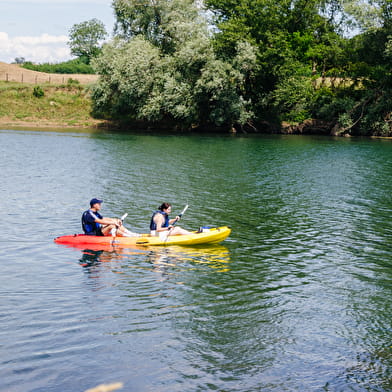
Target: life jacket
point(89, 226)
point(153, 225)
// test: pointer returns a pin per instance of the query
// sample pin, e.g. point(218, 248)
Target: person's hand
point(178, 218)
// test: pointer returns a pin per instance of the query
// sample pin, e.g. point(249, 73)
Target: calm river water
point(299, 298)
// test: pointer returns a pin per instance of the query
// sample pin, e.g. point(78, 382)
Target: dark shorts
point(98, 233)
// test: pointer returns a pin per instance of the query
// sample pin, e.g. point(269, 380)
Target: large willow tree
point(162, 68)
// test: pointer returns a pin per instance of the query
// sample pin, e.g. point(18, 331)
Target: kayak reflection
point(96, 255)
point(213, 256)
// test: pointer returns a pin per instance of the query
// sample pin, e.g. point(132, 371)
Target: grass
point(61, 105)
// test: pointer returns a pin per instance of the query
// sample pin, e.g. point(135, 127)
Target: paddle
point(180, 214)
point(177, 219)
point(115, 229)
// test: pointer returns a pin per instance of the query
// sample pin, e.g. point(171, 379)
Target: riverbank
point(63, 105)
point(69, 106)
point(26, 105)
point(44, 100)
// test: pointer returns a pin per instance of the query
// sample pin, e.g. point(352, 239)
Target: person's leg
point(163, 235)
point(106, 230)
point(124, 232)
point(179, 231)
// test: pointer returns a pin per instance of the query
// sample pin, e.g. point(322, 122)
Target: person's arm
point(108, 221)
point(177, 218)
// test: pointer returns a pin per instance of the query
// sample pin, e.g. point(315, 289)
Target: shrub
point(293, 98)
point(72, 82)
point(38, 92)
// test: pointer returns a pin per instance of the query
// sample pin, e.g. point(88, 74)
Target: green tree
point(257, 60)
point(173, 76)
point(286, 33)
point(85, 39)
point(163, 23)
point(364, 106)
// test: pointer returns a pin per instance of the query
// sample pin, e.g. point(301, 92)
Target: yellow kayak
point(207, 236)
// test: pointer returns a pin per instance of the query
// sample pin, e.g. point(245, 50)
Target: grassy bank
point(63, 105)
point(69, 105)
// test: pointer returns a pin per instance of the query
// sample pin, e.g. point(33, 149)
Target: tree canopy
point(85, 39)
point(162, 68)
point(243, 63)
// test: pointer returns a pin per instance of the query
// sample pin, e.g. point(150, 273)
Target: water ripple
point(297, 299)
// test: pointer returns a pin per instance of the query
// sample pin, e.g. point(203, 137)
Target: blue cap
point(95, 201)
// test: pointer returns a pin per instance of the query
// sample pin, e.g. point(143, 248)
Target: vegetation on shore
point(63, 105)
point(239, 65)
point(249, 65)
point(75, 66)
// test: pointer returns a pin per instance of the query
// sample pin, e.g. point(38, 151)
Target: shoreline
point(103, 125)
point(14, 125)
point(69, 106)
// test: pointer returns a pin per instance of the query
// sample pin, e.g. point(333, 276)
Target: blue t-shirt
point(89, 225)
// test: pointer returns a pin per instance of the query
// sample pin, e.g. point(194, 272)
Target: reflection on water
point(216, 257)
point(92, 257)
point(213, 256)
point(369, 372)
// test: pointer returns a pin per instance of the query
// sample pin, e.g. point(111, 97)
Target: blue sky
point(38, 30)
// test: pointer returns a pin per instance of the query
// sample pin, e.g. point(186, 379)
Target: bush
point(294, 97)
point(38, 92)
point(329, 106)
point(72, 82)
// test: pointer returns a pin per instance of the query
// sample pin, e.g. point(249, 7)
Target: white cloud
point(39, 49)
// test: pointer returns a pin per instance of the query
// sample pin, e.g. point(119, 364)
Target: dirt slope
point(14, 73)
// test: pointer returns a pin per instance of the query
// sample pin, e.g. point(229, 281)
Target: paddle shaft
point(114, 231)
point(180, 214)
point(177, 219)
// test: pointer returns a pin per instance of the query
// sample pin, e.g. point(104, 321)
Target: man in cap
point(94, 223)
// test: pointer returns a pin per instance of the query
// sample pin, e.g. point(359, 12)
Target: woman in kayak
point(94, 223)
point(161, 225)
